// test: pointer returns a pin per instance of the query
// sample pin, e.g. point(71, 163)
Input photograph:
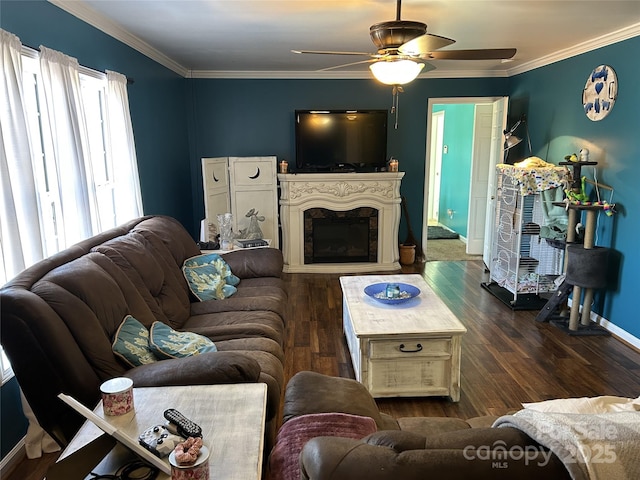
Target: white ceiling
point(254, 38)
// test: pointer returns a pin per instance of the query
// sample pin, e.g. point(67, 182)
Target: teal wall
point(243, 117)
point(177, 121)
point(158, 113)
point(157, 99)
point(456, 165)
point(551, 97)
point(14, 423)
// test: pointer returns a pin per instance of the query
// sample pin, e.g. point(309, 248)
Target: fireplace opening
point(341, 237)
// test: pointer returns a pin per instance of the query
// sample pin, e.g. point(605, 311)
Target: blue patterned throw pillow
point(209, 277)
point(166, 342)
point(131, 343)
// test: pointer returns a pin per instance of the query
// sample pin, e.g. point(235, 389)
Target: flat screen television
point(341, 140)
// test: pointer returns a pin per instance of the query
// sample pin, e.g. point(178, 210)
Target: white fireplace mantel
point(340, 192)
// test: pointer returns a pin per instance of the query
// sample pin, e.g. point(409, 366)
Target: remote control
point(159, 441)
point(186, 427)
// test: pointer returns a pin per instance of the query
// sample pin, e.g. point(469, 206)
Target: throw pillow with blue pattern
point(209, 277)
point(165, 342)
point(131, 343)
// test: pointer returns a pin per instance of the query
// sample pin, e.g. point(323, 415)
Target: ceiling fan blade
point(480, 54)
point(335, 67)
point(428, 67)
point(424, 44)
point(329, 52)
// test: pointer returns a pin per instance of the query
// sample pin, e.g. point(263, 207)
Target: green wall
point(456, 165)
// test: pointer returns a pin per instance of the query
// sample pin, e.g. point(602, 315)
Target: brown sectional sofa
point(58, 319)
point(405, 448)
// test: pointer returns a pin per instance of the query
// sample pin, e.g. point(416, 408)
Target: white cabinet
point(239, 184)
point(215, 183)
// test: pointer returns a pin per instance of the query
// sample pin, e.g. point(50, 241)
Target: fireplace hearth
point(363, 208)
point(340, 237)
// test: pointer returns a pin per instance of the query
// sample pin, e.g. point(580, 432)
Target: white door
point(435, 167)
point(480, 166)
point(498, 124)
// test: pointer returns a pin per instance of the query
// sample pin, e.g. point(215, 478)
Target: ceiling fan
point(403, 42)
point(402, 45)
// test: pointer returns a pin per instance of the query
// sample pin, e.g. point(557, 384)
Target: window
point(100, 165)
point(7, 373)
point(71, 170)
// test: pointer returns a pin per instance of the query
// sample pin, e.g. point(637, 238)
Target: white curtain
point(20, 232)
point(70, 146)
point(121, 147)
point(69, 181)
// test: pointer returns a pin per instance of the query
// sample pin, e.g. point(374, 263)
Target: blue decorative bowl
point(378, 291)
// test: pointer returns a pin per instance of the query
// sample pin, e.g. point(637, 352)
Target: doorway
point(464, 143)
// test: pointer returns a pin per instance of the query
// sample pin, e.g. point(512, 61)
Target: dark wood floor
point(507, 357)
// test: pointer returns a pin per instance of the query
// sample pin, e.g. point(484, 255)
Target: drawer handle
point(404, 350)
point(257, 174)
point(214, 177)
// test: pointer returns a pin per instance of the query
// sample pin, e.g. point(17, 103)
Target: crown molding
point(333, 75)
point(609, 39)
point(90, 16)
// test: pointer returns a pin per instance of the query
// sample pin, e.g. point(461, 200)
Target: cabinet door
point(215, 183)
point(253, 186)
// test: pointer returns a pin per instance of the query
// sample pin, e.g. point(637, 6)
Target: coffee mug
point(117, 396)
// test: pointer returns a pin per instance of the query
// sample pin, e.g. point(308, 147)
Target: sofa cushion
point(165, 342)
point(283, 461)
point(131, 343)
point(209, 277)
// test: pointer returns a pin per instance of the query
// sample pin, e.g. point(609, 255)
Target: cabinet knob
point(256, 175)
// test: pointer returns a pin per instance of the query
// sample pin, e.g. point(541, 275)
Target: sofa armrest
point(205, 369)
point(255, 262)
point(324, 458)
point(311, 392)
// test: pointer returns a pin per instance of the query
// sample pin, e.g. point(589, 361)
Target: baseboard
point(615, 330)
point(12, 459)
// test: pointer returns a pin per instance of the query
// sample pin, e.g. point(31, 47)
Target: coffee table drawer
point(409, 377)
point(414, 347)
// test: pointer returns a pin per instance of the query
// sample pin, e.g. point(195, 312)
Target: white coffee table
point(407, 350)
point(232, 418)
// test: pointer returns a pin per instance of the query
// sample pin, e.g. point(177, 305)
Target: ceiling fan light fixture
point(396, 72)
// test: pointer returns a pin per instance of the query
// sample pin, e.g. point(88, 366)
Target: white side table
point(232, 418)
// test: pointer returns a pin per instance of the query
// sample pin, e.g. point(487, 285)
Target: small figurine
point(584, 155)
point(253, 231)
